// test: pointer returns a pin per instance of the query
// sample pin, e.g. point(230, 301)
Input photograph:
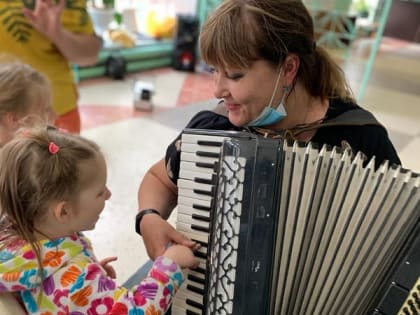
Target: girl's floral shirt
point(76, 284)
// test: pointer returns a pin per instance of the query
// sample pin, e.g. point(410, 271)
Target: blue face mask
point(271, 115)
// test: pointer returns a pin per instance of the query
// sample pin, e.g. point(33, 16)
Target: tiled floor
point(133, 140)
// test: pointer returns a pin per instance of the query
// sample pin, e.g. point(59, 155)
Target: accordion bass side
point(288, 228)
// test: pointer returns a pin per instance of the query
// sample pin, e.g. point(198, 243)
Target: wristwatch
point(140, 216)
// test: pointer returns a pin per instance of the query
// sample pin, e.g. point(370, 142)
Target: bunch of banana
point(122, 37)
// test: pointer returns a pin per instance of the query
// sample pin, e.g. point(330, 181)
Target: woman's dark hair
point(240, 32)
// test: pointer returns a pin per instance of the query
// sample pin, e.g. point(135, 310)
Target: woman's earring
point(286, 90)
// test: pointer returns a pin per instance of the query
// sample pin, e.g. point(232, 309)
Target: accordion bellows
point(290, 228)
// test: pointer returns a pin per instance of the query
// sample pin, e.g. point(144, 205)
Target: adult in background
point(51, 36)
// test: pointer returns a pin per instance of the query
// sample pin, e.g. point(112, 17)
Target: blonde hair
point(31, 178)
point(240, 32)
point(21, 86)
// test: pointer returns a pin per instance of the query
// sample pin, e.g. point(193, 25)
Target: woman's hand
point(110, 271)
point(158, 233)
point(45, 17)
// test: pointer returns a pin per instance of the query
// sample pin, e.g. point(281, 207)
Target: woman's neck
point(302, 109)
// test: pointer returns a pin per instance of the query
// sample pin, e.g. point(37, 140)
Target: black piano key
point(207, 154)
point(194, 304)
point(195, 289)
point(199, 207)
point(216, 167)
point(196, 279)
point(200, 270)
point(200, 228)
point(205, 165)
point(204, 192)
point(200, 217)
point(200, 255)
point(210, 143)
point(210, 181)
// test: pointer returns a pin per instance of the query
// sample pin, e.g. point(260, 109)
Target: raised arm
point(78, 48)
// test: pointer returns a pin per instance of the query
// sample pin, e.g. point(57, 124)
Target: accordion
point(292, 228)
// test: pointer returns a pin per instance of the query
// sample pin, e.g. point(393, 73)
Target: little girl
point(52, 187)
point(25, 97)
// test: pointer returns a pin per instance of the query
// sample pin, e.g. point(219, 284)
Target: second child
point(53, 187)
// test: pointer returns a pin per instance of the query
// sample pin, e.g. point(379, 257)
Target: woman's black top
point(370, 139)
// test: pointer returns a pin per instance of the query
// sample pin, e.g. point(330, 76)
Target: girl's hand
point(110, 271)
point(182, 255)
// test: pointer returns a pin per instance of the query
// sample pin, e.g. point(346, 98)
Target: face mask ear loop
point(275, 88)
point(286, 90)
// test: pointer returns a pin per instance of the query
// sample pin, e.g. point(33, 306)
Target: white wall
point(142, 7)
point(186, 6)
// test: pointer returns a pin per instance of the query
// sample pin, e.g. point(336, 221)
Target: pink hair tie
point(53, 148)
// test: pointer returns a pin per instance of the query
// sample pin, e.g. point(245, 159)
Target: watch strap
point(140, 216)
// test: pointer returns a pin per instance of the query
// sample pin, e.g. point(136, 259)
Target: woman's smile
point(231, 107)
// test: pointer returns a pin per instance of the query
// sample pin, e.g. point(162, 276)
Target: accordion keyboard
point(196, 185)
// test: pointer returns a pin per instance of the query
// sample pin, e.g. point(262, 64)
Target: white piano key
point(196, 285)
point(194, 167)
point(188, 184)
point(187, 192)
point(182, 218)
point(193, 138)
point(183, 200)
point(193, 148)
point(182, 304)
point(202, 264)
point(192, 157)
point(193, 228)
point(196, 274)
point(193, 234)
point(187, 210)
point(195, 176)
point(180, 310)
point(183, 294)
point(175, 310)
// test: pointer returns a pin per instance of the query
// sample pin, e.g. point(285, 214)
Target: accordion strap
point(355, 117)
